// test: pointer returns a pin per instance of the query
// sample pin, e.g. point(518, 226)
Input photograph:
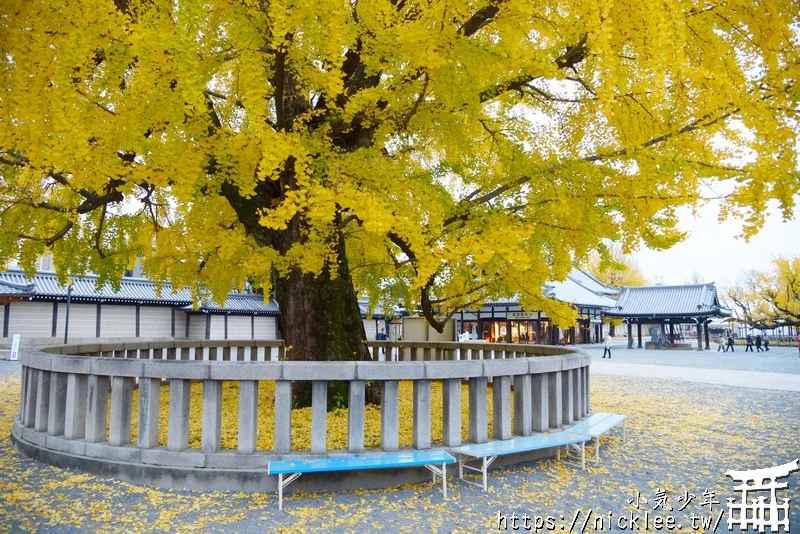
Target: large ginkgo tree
point(437, 153)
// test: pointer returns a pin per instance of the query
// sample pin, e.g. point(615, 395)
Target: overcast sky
point(713, 251)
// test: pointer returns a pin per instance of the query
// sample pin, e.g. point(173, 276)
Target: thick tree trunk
point(320, 317)
point(321, 320)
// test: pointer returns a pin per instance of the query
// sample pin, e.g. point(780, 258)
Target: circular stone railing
point(65, 404)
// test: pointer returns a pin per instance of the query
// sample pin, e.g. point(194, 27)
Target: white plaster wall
point(30, 319)
point(115, 321)
point(239, 327)
point(217, 327)
point(265, 328)
point(197, 326)
point(82, 320)
point(180, 323)
point(155, 322)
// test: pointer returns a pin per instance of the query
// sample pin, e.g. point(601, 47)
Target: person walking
point(382, 336)
point(798, 344)
point(758, 343)
point(749, 341)
point(721, 345)
point(607, 348)
point(730, 343)
point(766, 342)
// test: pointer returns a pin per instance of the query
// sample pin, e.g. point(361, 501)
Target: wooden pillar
point(639, 331)
point(630, 335)
point(699, 335)
point(706, 334)
point(663, 342)
point(539, 328)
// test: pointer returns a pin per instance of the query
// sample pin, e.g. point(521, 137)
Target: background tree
point(615, 268)
point(444, 153)
point(749, 307)
point(780, 287)
point(766, 299)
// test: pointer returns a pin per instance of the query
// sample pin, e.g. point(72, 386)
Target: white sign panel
point(15, 347)
point(522, 315)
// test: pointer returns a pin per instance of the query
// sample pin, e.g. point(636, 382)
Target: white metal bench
point(486, 453)
point(434, 460)
point(596, 426)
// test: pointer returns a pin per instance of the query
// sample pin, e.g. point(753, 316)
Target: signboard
point(522, 315)
point(15, 347)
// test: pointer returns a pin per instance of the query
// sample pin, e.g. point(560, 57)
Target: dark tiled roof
point(239, 303)
point(669, 301)
point(45, 286)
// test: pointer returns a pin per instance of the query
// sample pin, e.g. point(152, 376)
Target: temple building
point(504, 321)
point(661, 311)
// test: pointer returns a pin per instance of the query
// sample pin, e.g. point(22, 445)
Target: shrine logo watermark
point(753, 511)
point(758, 507)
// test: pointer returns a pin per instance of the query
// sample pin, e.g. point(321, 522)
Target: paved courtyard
point(681, 438)
point(777, 369)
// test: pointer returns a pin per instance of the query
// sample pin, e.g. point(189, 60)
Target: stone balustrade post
point(31, 386)
point(211, 439)
point(319, 416)
point(97, 408)
point(567, 398)
point(149, 403)
point(248, 415)
point(355, 416)
point(501, 401)
point(478, 413)
point(119, 432)
point(451, 412)
point(390, 415)
point(180, 395)
point(577, 388)
point(42, 401)
point(57, 405)
point(421, 432)
point(540, 402)
point(283, 416)
point(522, 405)
point(586, 400)
point(555, 400)
point(75, 415)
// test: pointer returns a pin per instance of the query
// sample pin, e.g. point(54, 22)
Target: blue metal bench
point(597, 425)
point(488, 452)
point(432, 460)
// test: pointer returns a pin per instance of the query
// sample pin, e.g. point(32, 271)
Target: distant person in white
point(608, 347)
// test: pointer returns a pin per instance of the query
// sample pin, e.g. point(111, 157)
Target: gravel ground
point(681, 438)
point(9, 369)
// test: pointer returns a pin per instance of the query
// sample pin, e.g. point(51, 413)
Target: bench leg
point(444, 480)
point(558, 453)
point(485, 468)
point(439, 472)
point(281, 484)
point(583, 455)
point(597, 450)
